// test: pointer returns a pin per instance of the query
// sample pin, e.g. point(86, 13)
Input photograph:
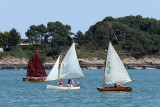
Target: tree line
point(136, 35)
point(9, 39)
point(133, 35)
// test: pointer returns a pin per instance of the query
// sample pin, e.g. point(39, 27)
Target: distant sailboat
point(114, 72)
point(69, 68)
point(35, 69)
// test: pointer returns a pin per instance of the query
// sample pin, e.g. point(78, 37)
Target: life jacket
point(70, 81)
point(62, 83)
point(119, 85)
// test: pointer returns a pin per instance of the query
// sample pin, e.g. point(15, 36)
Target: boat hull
point(50, 86)
point(114, 89)
point(34, 79)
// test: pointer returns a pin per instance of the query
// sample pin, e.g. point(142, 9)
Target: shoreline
point(11, 63)
point(83, 66)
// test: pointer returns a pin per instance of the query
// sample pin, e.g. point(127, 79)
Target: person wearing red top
point(117, 85)
point(61, 83)
point(70, 82)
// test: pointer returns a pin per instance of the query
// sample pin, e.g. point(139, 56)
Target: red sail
point(35, 67)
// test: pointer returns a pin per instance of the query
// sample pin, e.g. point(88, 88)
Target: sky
point(79, 14)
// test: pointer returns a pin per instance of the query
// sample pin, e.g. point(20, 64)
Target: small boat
point(65, 69)
point(35, 70)
point(114, 89)
point(114, 72)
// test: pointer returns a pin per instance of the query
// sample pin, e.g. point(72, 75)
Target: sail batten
point(115, 71)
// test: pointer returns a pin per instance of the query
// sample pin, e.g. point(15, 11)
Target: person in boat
point(44, 77)
point(117, 85)
point(78, 84)
point(61, 83)
point(70, 82)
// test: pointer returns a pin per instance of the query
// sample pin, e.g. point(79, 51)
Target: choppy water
point(15, 92)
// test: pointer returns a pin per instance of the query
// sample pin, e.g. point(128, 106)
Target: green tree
point(60, 34)
point(79, 38)
point(136, 35)
point(42, 32)
point(14, 38)
point(32, 34)
point(4, 39)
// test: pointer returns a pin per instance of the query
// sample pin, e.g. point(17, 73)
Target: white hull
point(50, 86)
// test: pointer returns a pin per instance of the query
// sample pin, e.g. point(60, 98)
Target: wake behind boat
point(114, 72)
point(69, 68)
point(35, 70)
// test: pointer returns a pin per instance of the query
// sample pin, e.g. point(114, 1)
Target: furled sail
point(70, 67)
point(53, 75)
point(35, 67)
point(115, 71)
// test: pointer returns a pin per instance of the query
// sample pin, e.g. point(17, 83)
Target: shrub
point(18, 52)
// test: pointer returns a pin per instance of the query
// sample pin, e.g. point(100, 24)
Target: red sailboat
point(35, 70)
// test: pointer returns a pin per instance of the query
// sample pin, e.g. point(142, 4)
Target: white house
point(1, 49)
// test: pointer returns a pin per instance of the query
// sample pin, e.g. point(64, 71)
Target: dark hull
point(114, 89)
point(34, 79)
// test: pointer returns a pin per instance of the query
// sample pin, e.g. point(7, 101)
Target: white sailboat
point(69, 69)
point(114, 72)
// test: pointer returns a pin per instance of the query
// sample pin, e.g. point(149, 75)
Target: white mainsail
point(53, 75)
point(70, 67)
point(115, 71)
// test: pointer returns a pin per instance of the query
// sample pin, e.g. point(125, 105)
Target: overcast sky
point(79, 14)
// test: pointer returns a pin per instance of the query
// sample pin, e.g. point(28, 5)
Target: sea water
point(14, 92)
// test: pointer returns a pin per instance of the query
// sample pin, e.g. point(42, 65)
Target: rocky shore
point(130, 63)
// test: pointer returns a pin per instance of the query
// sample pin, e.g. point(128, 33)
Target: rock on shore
point(141, 61)
point(94, 63)
point(130, 60)
point(13, 60)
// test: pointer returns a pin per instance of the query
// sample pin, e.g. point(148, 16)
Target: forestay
point(53, 75)
point(70, 67)
point(115, 71)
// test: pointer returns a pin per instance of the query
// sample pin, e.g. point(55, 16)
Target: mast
point(105, 68)
point(105, 64)
point(59, 67)
point(61, 62)
point(115, 70)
